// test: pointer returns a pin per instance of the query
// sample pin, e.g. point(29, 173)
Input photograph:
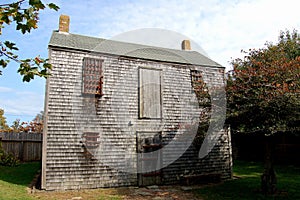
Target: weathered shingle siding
point(66, 164)
point(218, 161)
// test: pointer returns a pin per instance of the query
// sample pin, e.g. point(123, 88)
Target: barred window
point(196, 75)
point(92, 76)
point(200, 88)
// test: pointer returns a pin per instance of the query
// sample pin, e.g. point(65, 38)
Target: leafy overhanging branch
point(25, 15)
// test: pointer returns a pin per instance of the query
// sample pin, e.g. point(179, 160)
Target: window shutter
point(149, 93)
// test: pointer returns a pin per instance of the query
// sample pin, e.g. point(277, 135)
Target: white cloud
point(221, 28)
point(21, 104)
point(5, 89)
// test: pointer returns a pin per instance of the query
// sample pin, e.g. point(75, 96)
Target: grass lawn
point(14, 180)
point(248, 184)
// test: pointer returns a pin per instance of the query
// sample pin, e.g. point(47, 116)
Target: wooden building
point(121, 114)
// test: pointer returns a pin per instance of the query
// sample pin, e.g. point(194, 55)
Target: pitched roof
point(99, 45)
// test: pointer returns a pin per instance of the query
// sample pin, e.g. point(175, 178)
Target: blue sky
point(221, 27)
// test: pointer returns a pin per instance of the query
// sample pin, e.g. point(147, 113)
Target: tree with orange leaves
point(263, 94)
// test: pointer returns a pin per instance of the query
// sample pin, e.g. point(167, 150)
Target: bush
point(7, 159)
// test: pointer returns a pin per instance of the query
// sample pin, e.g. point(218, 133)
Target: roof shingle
point(99, 45)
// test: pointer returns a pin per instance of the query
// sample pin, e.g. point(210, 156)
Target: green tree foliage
point(16, 126)
point(24, 15)
point(263, 94)
point(6, 159)
point(263, 89)
point(34, 126)
point(3, 124)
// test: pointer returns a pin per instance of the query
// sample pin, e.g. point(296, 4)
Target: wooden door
point(148, 144)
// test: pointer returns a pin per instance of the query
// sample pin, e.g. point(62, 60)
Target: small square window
point(196, 75)
point(91, 139)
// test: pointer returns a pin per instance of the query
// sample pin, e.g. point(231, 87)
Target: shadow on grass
point(20, 175)
point(247, 186)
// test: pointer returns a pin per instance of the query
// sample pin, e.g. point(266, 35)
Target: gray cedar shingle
point(66, 165)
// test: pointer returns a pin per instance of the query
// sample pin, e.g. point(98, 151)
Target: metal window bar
point(92, 76)
point(196, 75)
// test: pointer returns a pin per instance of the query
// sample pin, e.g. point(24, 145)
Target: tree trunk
point(268, 178)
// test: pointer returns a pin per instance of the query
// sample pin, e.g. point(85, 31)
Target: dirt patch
point(128, 193)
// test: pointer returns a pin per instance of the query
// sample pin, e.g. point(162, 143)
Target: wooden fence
point(24, 146)
point(252, 147)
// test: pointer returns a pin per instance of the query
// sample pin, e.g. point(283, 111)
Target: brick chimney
point(186, 45)
point(64, 23)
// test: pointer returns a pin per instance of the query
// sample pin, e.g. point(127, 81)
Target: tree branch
point(10, 57)
point(8, 4)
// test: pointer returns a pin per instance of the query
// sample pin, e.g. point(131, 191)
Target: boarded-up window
point(149, 93)
point(92, 76)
